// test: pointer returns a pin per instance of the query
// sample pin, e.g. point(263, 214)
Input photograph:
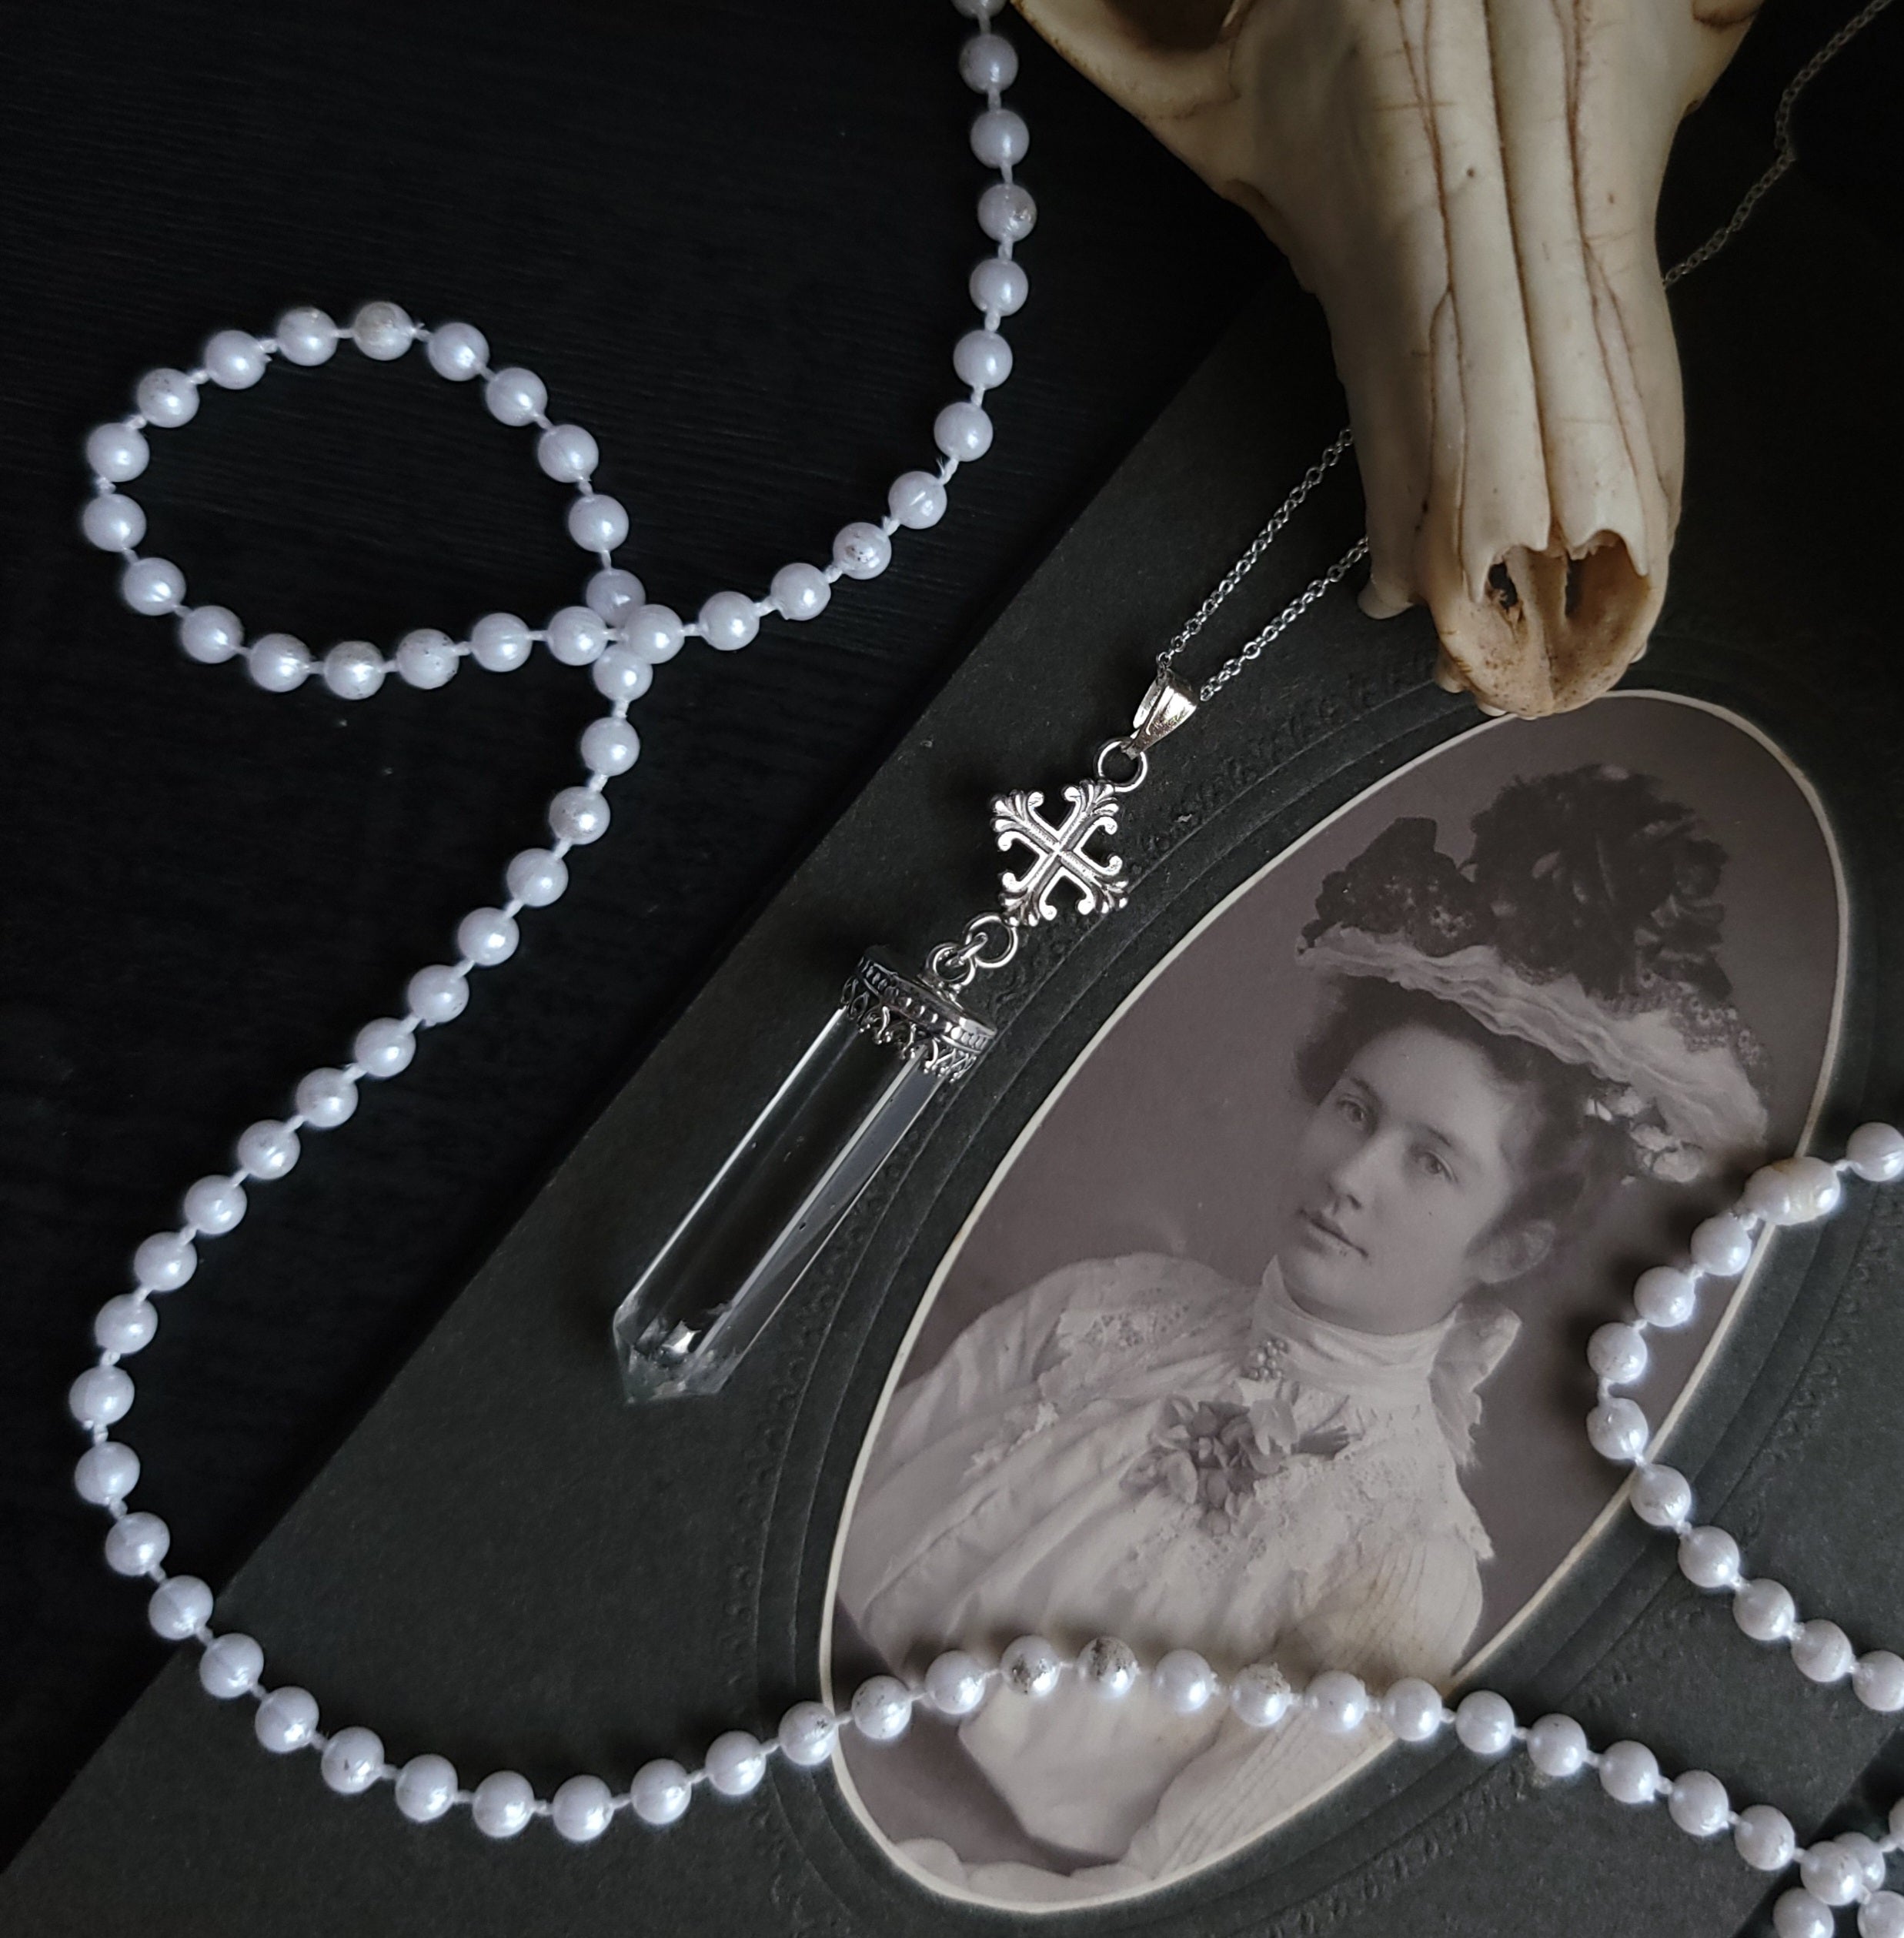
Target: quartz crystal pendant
point(882, 1056)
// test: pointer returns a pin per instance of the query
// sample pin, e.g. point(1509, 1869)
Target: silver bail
point(1162, 711)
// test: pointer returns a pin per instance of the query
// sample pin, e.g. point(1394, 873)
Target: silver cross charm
point(1059, 854)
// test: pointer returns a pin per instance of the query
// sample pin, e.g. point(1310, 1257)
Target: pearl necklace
point(621, 636)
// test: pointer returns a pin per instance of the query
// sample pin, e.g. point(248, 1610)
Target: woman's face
point(1399, 1181)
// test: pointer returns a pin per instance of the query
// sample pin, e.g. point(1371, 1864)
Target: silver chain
point(1786, 154)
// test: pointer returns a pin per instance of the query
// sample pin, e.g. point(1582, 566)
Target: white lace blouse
point(1136, 1447)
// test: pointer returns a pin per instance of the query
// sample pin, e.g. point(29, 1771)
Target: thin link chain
point(1786, 154)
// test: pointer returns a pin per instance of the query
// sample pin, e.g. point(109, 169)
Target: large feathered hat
point(1585, 919)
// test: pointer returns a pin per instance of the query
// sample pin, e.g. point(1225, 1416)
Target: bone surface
point(1469, 188)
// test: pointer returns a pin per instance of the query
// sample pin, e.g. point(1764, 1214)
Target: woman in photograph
point(1137, 1448)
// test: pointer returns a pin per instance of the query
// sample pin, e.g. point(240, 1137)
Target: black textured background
point(733, 238)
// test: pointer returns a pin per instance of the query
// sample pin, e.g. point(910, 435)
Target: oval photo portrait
point(1266, 1340)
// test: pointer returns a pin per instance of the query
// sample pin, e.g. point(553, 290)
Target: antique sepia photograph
point(1267, 1337)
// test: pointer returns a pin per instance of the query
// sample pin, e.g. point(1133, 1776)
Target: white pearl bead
point(268, 1148)
point(983, 358)
point(1030, 1666)
point(1698, 1804)
point(1110, 1667)
point(660, 1792)
point(1763, 1836)
point(486, 936)
point(654, 632)
point(278, 663)
point(598, 522)
point(916, 499)
point(1666, 1296)
point(153, 587)
point(113, 521)
point(230, 1665)
point(117, 452)
point(1259, 1696)
point(1617, 1354)
point(735, 1763)
point(536, 878)
point(384, 1048)
point(457, 351)
point(1870, 1859)
point(861, 550)
point(1556, 1747)
point(167, 398)
point(799, 591)
point(1830, 1873)
point(582, 1809)
point(567, 453)
point(1617, 1430)
point(325, 1098)
point(179, 1608)
point(1629, 1773)
point(503, 1803)
point(1185, 1682)
point(1007, 213)
point(105, 1473)
point(611, 746)
point(1722, 1246)
point(806, 1734)
point(1795, 1190)
point(164, 1262)
point(988, 61)
point(622, 675)
point(210, 634)
point(614, 595)
point(438, 994)
point(306, 337)
point(516, 396)
point(214, 1204)
point(125, 1324)
point(1484, 1723)
point(1708, 1557)
point(426, 659)
point(234, 360)
point(1875, 1151)
point(881, 1708)
point(999, 137)
point(1798, 1914)
point(499, 642)
point(100, 1395)
point(1764, 1610)
point(728, 620)
point(353, 669)
point(999, 288)
point(578, 815)
point(1338, 1700)
point(382, 331)
point(1662, 1498)
point(979, 9)
point(1882, 1915)
point(577, 636)
point(286, 1720)
point(352, 1760)
point(425, 1788)
point(1877, 1680)
point(1822, 1651)
point(136, 1543)
point(962, 431)
point(1412, 1709)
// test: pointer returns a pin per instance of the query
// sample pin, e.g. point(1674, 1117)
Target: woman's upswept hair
point(1572, 1159)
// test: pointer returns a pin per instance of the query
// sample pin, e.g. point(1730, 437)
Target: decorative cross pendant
point(1059, 854)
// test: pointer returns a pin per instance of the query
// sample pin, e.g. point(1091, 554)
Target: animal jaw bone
point(1469, 187)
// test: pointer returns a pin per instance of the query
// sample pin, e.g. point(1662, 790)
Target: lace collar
point(1286, 1342)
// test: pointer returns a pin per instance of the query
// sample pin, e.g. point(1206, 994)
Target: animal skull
point(1469, 187)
